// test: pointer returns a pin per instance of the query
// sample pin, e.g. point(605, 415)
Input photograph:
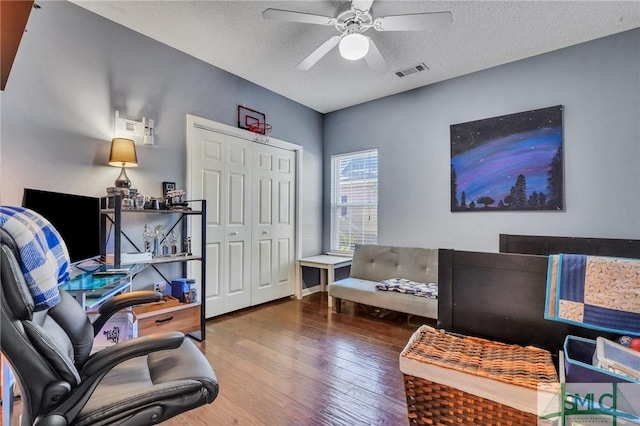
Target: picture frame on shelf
point(166, 187)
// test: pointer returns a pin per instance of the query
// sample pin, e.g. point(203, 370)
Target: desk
point(323, 262)
point(90, 290)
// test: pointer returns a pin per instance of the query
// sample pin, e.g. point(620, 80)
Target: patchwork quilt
point(401, 285)
point(596, 292)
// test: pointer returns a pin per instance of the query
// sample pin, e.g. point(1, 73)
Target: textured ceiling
point(232, 35)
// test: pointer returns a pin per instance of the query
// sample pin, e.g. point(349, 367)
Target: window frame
point(339, 209)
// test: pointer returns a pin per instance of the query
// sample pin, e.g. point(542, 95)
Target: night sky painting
point(508, 163)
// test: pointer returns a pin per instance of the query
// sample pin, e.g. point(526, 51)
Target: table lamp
point(123, 154)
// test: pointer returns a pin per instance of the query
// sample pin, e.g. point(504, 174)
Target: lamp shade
point(354, 46)
point(123, 153)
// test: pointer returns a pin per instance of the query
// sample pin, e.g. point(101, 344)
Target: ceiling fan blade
point(375, 60)
point(317, 54)
point(416, 22)
point(362, 5)
point(290, 16)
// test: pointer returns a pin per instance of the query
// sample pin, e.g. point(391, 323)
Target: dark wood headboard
point(499, 296)
point(543, 245)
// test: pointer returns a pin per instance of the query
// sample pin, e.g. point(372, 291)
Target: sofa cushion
point(365, 292)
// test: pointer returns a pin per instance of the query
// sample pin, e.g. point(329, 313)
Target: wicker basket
point(432, 403)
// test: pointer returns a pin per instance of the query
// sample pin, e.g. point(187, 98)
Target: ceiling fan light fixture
point(354, 46)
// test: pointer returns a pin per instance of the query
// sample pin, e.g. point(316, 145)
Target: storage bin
point(179, 287)
point(457, 380)
point(578, 364)
point(121, 326)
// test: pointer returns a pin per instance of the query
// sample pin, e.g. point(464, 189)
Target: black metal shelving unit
point(113, 216)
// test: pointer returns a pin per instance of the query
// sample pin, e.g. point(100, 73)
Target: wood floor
point(292, 362)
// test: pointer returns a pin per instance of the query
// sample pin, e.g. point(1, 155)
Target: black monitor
point(75, 217)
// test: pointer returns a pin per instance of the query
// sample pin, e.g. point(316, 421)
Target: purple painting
point(508, 163)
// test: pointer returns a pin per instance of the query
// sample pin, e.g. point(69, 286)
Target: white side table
point(324, 262)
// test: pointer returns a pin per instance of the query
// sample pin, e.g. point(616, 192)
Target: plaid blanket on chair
point(45, 259)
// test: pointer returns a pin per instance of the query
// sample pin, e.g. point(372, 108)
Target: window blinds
point(354, 200)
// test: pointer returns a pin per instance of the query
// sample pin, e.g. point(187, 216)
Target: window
point(354, 200)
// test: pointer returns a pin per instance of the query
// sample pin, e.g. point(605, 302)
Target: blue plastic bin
point(578, 364)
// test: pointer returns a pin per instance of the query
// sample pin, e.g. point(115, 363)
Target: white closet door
point(251, 204)
point(238, 224)
point(222, 165)
point(207, 156)
point(273, 224)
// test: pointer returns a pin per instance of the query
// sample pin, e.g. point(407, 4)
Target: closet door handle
point(265, 232)
point(234, 233)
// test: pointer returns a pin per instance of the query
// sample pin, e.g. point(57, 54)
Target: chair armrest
point(113, 305)
point(104, 360)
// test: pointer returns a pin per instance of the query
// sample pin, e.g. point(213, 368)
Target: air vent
point(412, 70)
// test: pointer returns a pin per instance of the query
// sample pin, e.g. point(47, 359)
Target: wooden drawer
point(185, 318)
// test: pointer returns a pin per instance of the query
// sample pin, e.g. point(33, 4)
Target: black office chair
point(141, 381)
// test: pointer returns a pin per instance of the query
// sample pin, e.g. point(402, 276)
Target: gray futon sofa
point(373, 263)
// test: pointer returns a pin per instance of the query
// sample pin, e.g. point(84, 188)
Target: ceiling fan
point(352, 20)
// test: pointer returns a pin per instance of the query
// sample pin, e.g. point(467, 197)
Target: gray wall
point(599, 85)
point(74, 69)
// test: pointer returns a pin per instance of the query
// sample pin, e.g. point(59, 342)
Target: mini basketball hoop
point(261, 131)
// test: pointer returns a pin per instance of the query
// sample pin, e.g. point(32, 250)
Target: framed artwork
point(248, 116)
point(508, 163)
point(166, 187)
